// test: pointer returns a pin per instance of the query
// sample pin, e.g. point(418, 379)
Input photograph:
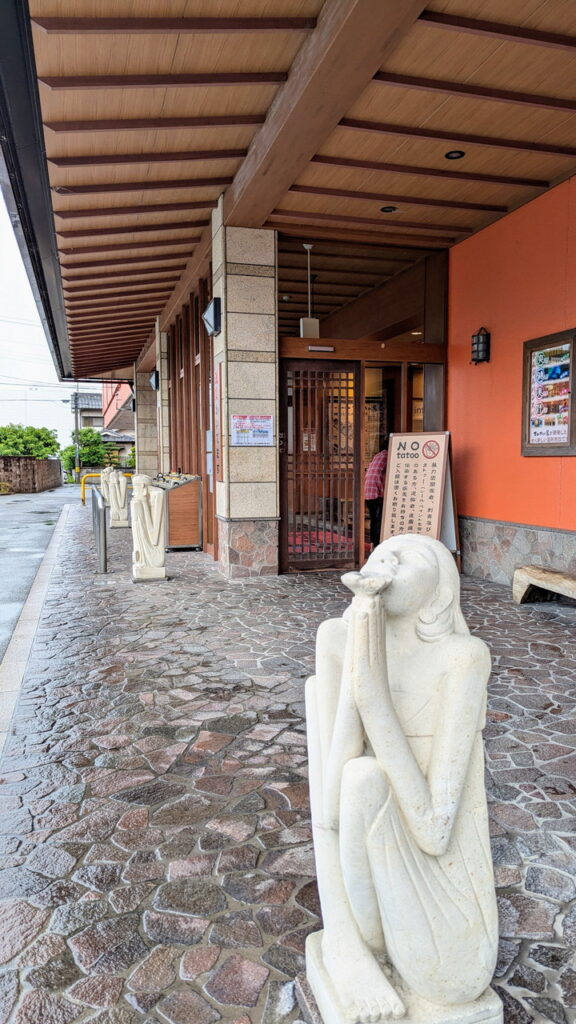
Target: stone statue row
point(147, 509)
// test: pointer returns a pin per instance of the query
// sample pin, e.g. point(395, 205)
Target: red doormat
point(319, 542)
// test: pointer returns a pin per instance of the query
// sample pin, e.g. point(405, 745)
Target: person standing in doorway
point(374, 491)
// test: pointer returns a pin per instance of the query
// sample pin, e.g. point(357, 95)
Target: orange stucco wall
point(517, 278)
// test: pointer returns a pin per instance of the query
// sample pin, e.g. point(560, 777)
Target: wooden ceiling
point(152, 110)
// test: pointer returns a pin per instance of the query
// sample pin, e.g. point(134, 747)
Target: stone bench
point(534, 583)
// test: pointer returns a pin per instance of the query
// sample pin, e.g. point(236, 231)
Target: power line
point(15, 320)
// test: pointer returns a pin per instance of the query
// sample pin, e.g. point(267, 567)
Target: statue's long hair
point(442, 615)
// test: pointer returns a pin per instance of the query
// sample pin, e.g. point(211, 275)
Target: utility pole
point(76, 438)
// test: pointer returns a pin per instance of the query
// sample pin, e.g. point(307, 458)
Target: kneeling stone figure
point(394, 717)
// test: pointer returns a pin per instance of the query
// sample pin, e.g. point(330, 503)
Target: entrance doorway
point(335, 416)
point(319, 465)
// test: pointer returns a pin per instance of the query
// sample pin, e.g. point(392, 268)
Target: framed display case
point(548, 396)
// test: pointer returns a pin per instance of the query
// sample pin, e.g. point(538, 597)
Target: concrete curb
point(13, 664)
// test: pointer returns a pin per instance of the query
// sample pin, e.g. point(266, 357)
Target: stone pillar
point(162, 401)
point(146, 425)
point(246, 357)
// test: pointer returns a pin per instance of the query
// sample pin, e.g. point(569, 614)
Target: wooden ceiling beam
point(126, 353)
point(307, 215)
point(131, 335)
point(410, 131)
point(140, 186)
point(352, 279)
point(172, 225)
point(123, 246)
point(130, 327)
point(57, 83)
point(332, 68)
point(85, 281)
point(94, 307)
point(355, 236)
point(126, 261)
point(80, 279)
point(396, 228)
point(389, 197)
point(428, 172)
point(167, 26)
point(145, 124)
point(326, 290)
point(82, 301)
point(146, 158)
point(89, 335)
point(284, 249)
point(126, 211)
point(301, 272)
point(118, 320)
point(79, 315)
point(481, 92)
point(286, 237)
point(499, 30)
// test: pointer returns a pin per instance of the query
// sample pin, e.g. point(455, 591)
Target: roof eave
point(24, 177)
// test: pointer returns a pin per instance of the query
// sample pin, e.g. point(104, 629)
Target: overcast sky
point(29, 388)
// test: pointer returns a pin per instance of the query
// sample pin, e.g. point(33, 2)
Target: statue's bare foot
point(362, 987)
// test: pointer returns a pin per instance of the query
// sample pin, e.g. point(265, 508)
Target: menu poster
point(550, 386)
point(251, 431)
point(548, 396)
point(419, 496)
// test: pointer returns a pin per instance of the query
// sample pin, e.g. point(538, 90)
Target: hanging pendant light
point(309, 325)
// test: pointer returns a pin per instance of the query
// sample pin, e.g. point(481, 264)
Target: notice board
point(251, 431)
point(419, 494)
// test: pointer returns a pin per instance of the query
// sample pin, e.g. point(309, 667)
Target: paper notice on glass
point(251, 431)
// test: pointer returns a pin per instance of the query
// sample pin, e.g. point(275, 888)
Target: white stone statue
point(395, 713)
point(105, 483)
point(118, 495)
point(148, 530)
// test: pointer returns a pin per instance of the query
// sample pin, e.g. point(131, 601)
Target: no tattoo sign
point(419, 495)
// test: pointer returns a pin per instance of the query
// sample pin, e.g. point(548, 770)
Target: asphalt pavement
point(26, 525)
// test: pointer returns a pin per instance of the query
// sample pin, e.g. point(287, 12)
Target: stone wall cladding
point(492, 550)
point(248, 547)
point(29, 476)
point(146, 426)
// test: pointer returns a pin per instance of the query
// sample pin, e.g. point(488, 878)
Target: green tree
point(93, 450)
point(38, 442)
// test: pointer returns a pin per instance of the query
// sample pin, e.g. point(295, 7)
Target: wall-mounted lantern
point(481, 346)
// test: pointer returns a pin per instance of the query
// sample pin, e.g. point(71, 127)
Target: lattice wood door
point(319, 464)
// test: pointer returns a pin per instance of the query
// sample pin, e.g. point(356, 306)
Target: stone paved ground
point(155, 857)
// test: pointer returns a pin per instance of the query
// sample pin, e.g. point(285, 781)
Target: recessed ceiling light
point(388, 209)
point(454, 154)
point(417, 334)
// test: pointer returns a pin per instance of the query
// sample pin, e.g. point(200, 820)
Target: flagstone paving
point(156, 864)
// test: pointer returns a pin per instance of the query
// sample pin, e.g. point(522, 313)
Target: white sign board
point(251, 431)
point(419, 495)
